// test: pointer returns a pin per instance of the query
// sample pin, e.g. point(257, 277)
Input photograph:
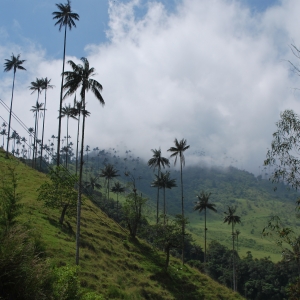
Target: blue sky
point(31, 21)
point(212, 71)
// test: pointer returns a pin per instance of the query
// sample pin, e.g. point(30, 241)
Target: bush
point(21, 266)
point(66, 284)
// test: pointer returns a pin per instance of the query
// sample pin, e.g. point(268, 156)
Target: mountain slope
point(110, 263)
point(254, 197)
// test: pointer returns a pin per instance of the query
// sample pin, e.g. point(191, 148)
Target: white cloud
point(212, 73)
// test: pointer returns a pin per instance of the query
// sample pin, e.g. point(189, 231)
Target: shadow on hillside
point(174, 280)
point(66, 227)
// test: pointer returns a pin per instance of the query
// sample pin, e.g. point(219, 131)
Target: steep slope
point(110, 263)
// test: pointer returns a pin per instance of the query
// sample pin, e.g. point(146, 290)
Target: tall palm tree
point(45, 87)
point(157, 161)
point(204, 204)
point(109, 172)
point(231, 218)
point(37, 113)
point(177, 151)
point(164, 182)
point(92, 184)
point(81, 77)
point(36, 86)
point(16, 64)
point(67, 111)
point(65, 18)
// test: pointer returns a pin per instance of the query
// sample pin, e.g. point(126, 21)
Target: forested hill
point(255, 198)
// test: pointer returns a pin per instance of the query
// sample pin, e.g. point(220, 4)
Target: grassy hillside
point(110, 263)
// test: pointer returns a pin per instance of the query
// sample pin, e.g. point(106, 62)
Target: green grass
point(110, 262)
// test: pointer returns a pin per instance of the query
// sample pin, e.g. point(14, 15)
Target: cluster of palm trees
point(203, 204)
point(163, 180)
point(80, 77)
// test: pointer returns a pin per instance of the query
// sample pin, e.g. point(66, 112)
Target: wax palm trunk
point(61, 99)
point(11, 104)
point(44, 117)
point(77, 142)
point(80, 186)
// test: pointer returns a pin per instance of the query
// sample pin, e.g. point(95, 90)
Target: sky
point(214, 72)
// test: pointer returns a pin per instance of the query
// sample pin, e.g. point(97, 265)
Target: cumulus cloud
point(211, 72)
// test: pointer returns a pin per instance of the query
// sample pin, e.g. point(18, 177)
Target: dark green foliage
point(66, 284)
point(283, 155)
point(59, 192)
point(10, 206)
point(286, 239)
point(23, 273)
point(132, 209)
point(256, 278)
point(169, 236)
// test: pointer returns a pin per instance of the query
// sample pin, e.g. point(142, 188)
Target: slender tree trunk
point(43, 129)
point(205, 235)
point(79, 188)
point(108, 190)
point(67, 149)
point(60, 101)
point(9, 122)
point(117, 207)
point(182, 210)
point(77, 142)
point(233, 262)
point(34, 140)
point(164, 206)
point(62, 216)
point(157, 202)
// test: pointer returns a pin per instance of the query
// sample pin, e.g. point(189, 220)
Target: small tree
point(169, 236)
point(10, 206)
point(59, 192)
point(133, 211)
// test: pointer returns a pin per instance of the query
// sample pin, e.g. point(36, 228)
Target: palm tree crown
point(16, 64)
point(109, 172)
point(80, 76)
point(204, 204)
point(65, 17)
point(157, 161)
point(37, 85)
point(230, 217)
point(180, 147)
